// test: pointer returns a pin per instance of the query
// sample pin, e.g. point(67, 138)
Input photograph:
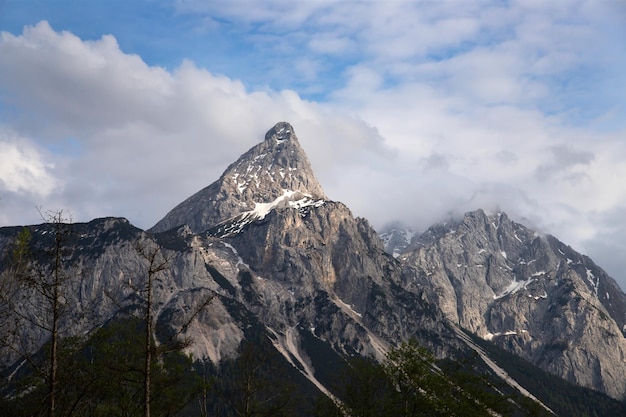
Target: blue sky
point(409, 110)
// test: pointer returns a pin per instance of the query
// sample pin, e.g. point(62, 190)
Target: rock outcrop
point(529, 294)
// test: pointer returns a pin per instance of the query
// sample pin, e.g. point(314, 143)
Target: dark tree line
point(254, 384)
point(410, 382)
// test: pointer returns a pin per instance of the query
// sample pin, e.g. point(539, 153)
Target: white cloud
point(23, 168)
point(75, 87)
point(331, 44)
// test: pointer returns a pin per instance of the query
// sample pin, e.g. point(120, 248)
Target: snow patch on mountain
point(592, 280)
point(490, 336)
point(234, 251)
point(396, 239)
point(513, 288)
point(288, 200)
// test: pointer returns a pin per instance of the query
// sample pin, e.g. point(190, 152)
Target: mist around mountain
point(260, 295)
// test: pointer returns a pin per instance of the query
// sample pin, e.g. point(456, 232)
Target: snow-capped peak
point(396, 239)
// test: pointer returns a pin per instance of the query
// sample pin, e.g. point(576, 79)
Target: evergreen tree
point(252, 385)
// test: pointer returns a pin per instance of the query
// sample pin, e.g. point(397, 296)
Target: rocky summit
point(263, 254)
point(273, 172)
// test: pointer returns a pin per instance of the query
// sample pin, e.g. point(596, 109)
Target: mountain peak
point(267, 172)
point(280, 132)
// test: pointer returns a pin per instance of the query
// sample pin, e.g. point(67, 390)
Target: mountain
point(302, 260)
point(396, 238)
point(529, 294)
point(277, 257)
point(275, 171)
point(262, 255)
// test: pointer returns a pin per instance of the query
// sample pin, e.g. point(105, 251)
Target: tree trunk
point(53, 358)
point(148, 346)
point(56, 305)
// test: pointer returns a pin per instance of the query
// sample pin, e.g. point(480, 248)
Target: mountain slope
point(257, 292)
point(529, 294)
point(325, 250)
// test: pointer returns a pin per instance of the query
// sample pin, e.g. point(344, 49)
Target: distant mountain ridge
point(397, 238)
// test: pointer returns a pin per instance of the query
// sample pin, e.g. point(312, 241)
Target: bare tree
point(156, 264)
point(34, 298)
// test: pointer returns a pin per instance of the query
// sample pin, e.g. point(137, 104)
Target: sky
point(411, 111)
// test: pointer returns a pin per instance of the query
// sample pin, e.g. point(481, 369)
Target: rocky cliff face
point(324, 251)
point(528, 293)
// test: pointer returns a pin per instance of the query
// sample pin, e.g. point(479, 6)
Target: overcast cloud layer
point(411, 111)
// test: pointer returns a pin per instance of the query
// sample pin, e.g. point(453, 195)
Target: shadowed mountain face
point(282, 261)
point(260, 176)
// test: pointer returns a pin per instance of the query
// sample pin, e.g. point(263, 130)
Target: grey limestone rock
point(261, 175)
point(325, 252)
point(528, 293)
